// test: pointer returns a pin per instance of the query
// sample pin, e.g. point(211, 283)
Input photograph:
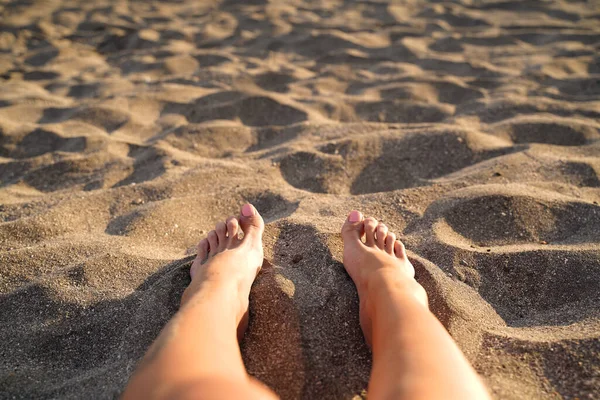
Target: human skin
point(414, 357)
point(197, 354)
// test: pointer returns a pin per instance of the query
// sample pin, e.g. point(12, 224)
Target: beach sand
point(129, 128)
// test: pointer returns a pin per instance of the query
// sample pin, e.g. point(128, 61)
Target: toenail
point(247, 210)
point(354, 216)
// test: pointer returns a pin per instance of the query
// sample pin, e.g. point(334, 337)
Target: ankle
point(388, 283)
point(202, 290)
point(385, 278)
point(227, 296)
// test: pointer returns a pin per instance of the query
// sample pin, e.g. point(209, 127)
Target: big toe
point(353, 227)
point(251, 222)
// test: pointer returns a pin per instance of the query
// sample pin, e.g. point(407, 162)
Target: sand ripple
point(127, 129)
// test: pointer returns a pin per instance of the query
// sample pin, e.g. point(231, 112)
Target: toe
point(353, 227)
point(370, 227)
point(399, 249)
point(202, 249)
point(390, 240)
point(381, 234)
point(213, 243)
point(221, 230)
point(251, 222)
point(232, 228)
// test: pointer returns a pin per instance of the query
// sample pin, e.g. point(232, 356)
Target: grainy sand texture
point(128, 128)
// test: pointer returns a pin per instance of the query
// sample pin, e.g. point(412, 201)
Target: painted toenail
point(354, 216)
point(247, 210)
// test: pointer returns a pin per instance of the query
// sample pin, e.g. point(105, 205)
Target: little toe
point(370, 227)
point(399, 249)
point(221, 230)
point(251, 222)
point(232, 228)
point(353, 227)
point(381, 234)
point(213, 243)
point(202, 249)
point(390, 240)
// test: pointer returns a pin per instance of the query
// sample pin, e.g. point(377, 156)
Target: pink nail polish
point(247, 210)
point(354, 216)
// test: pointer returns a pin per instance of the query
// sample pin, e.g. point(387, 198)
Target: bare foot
point(226, 262)
point(379, 259)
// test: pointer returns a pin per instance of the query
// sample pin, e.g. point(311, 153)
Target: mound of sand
point(129, 128)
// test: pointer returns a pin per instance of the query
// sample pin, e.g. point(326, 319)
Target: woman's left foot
point(227, 264)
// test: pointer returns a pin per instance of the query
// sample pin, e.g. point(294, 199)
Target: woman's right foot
point(380, 260)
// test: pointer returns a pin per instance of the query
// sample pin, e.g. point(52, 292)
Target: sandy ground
point(128, 128)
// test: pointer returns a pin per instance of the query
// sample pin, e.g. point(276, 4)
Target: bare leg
point(197, 353)
point(414, 357)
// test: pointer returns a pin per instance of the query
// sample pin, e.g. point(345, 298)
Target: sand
point(129, 128)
